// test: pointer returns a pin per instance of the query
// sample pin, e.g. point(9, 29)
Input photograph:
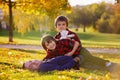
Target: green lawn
point(11, 61)
point(88, 39)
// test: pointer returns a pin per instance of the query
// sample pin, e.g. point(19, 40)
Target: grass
point(96, 39)
point(88, 39)
point(11, 61)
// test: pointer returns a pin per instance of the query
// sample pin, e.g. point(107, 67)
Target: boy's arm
point(76, 44)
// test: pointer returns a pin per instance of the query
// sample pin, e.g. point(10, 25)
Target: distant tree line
point(102, 17)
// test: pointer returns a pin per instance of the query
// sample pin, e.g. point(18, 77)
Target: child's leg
point(92, 60)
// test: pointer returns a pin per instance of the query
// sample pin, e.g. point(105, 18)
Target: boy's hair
point(46, 38)
point(61, 18)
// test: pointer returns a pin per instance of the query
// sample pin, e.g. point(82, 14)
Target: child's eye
point(50, 41)
point(46, 44)
point(59, 24)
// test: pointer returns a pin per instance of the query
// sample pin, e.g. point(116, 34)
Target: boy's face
point(32, 64)
point(61, 25)
point(51, 45)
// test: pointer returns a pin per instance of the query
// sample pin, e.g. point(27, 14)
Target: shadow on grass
point(60, 74)
point(73, 76)
point(29, 51)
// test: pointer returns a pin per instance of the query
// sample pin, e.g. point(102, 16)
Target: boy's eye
point(63, 24)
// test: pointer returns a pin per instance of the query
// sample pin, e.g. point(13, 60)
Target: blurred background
point(22, 16)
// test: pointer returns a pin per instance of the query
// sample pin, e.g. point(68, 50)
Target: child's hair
point(46, 38)
point(61, 18)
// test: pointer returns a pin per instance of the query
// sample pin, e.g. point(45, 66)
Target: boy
point(61, 24)
point(57, 63)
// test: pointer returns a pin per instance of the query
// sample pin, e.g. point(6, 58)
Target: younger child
point(55, 47)
point(57, 63)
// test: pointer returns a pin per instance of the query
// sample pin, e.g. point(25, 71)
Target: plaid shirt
point(62, 47)
point(76, 38)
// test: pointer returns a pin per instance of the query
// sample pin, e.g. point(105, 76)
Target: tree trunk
point(94, 25)
point(84, 30)
point(118, 1)
point(10, 27)
point(0, 26)
point(76, 28)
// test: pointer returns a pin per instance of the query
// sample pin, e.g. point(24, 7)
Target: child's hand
point(70, 35)
point(69, 54)
point(57, 39)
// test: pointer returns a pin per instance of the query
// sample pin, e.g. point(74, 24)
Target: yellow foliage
point(26, 12)
point(108, 76)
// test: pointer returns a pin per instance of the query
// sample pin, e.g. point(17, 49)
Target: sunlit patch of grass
point(11, 61)
point(108, 56)
point(4, 40)
point(88, 39)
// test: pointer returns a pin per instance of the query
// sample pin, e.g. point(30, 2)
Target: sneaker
point(115, 70)
point(114, 67)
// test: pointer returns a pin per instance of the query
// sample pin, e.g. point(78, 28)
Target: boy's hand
point(70, 35)
point(76, 59)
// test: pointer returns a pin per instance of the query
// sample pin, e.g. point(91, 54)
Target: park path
point(36, 47)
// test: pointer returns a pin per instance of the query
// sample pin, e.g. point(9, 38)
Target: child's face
point(32, 64)
point(61, 25)
point(51, 45)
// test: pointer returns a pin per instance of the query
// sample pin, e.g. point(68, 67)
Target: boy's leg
point(91, 60)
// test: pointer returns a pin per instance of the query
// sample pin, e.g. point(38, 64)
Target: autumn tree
point(34, 8)
point(110, 20)
point(103, 24)
point(80, 16)
point(85, 18)
point(115, 21)
point(74, 17)
point(97, 10)
point(118, 1)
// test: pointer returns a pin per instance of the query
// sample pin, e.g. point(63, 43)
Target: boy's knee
point(81, 59)
point(84, 51)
